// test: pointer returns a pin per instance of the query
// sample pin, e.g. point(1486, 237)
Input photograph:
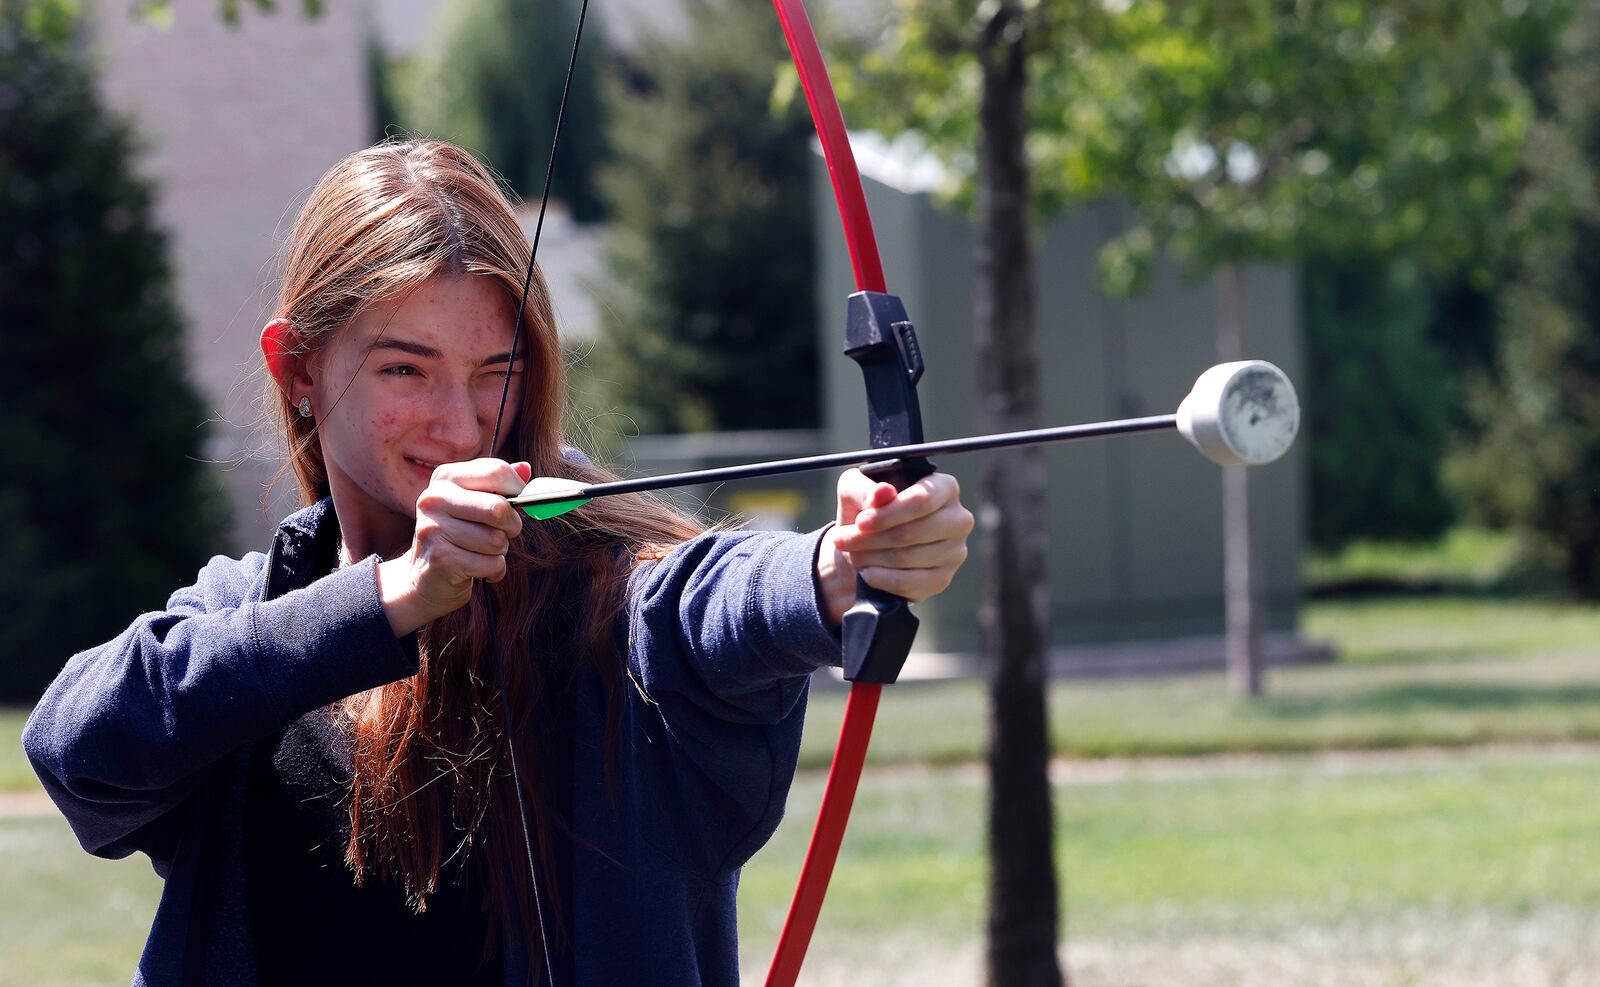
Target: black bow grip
point(879, 629)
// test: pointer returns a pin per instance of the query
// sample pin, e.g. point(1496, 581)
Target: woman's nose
point(455, 421)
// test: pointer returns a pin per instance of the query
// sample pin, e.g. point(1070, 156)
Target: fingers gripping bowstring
point(494, 445)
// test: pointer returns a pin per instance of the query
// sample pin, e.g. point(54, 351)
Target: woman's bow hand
point(908, 542)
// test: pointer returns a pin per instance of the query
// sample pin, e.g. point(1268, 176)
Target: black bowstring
point(494, 442)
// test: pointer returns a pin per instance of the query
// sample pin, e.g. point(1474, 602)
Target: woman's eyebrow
point(415, 349)
point(501, 358)
point(428, 352)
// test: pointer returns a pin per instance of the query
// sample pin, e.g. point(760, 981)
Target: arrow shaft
point(834, 460)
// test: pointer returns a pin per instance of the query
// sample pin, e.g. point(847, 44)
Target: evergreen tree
point(107, 505)
point(1536, 467)
point(493, 84)
point(384, 117)
point(709, 312)
point(1381, 398)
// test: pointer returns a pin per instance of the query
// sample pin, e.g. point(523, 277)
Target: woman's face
point(407, 386)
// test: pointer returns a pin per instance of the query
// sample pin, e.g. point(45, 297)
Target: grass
point(1152, 863)
point(1285, 871)
point(1404, 630)
point(1209, 855)
point(1418, 671)
point(1413, 672)
point(67, 917)
point(15, 773)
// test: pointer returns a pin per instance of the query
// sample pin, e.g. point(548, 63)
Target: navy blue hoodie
point(145, 743)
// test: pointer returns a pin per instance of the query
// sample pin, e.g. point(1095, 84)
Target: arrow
point(1243, 413)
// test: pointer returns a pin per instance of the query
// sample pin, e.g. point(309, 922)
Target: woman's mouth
point(426, 468)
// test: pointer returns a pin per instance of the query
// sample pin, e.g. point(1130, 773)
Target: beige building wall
point(238, 123)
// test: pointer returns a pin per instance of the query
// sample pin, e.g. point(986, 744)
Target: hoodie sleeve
point(723, 636)
point(128, 729)
point(732, 622)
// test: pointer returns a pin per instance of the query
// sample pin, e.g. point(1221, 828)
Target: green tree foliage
point(54, 21)
point(1238, 128)
point(49, 22)
point(492, 82)
point(709, 313)
point(1536, 464)
point(106, 503)
point(384, 118)
point(1371, 142)
point(230, 10)
point(1264, 129)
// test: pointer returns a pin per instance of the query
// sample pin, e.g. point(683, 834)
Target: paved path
point(34, 803)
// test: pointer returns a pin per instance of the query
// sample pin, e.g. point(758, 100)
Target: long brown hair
point(431, 775)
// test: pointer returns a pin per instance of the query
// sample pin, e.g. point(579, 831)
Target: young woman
point(309, 744)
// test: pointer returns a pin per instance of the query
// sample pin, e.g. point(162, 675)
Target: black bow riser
point(879, 629)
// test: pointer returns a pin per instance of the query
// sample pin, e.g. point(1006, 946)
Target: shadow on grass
point(1412, 697)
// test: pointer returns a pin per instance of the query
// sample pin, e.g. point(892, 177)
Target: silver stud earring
point(305, 407)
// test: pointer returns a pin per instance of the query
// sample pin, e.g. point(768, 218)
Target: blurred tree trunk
point(1021, 950)
point(1243, 638)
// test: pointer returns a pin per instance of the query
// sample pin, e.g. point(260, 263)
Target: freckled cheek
point(395, 422)
point(376, 428)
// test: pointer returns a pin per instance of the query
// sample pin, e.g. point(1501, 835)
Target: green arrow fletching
point(545, 510)
point(546, 497)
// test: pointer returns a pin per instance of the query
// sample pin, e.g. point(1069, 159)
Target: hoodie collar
point(305, 547)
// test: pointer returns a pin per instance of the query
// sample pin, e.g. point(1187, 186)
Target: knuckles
point(490, 475)
point(430, 501)
point(507, 519)
point(428, 530)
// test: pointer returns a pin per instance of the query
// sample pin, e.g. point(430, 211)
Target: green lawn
point(1208, 871)
point(67, 917)
point(15, 774)
point(1219, 856)
point(1432, 671)
point(1501, 851)
point(1412, 672)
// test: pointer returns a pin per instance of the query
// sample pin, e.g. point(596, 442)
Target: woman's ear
point(280, 345)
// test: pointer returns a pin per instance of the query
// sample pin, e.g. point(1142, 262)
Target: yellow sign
point(771, 510)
